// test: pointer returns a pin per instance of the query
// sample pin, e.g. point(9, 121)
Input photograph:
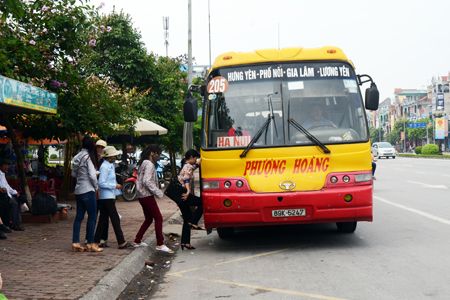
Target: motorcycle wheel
point(129, 191)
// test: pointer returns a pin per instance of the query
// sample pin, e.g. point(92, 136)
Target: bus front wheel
point(346, 227)
point(225, 232)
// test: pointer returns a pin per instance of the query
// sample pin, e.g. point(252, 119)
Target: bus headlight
point(209, 185)
point(239, 183)
point(227, 184)
point(333, 179)
point(363, 177)
point(346, 179)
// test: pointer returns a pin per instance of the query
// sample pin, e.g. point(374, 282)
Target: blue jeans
point(85, 202)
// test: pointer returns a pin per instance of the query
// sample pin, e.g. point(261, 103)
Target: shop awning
point(19, 97)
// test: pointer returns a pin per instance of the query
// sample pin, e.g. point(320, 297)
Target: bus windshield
point(272, 100)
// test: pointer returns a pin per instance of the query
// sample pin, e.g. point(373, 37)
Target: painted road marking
point(250, 286)
point(180, 273)
point(416, 211)
point(267, 289)
point(431, 186)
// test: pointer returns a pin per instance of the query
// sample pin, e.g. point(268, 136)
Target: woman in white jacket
point(84, 169)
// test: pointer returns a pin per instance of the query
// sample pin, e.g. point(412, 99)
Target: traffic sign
point(417, 125)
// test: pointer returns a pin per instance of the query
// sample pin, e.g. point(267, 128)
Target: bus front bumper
point(252, 209)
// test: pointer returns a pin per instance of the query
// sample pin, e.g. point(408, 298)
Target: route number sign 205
point(217, 85)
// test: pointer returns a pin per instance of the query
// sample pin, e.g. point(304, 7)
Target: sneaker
point(3, 235)
point(126, 245)
point(373, 178)
point(164, 248)
point(141, 244)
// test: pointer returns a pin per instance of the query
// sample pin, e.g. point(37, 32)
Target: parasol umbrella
point(143, 131)
point(146, 127)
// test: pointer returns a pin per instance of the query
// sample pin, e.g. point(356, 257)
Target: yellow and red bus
point(285, 140)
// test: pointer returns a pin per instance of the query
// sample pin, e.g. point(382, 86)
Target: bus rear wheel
point(346, 227)
point(225, 233)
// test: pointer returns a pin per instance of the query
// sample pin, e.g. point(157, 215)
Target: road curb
point(113, 283)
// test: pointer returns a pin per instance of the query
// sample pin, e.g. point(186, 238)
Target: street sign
point(417, 125)
point(16, 93)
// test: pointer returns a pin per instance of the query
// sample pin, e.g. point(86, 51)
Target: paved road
point(403, 254)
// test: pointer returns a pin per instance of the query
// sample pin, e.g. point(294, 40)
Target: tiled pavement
point(38, 263)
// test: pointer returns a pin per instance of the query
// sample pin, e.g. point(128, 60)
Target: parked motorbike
point(129, 190)
point(126, 175)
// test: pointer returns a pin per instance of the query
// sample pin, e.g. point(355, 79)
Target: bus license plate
point(298, 212)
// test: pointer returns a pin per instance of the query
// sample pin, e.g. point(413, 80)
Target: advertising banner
point(440, 101)
point(440, 128)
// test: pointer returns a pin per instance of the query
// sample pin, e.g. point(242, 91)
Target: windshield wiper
point(263, 128)
point(311, 137)
point(257, 136)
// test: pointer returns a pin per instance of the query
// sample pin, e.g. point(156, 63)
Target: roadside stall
point(18, 98)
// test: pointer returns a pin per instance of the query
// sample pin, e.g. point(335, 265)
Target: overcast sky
point(401, 44)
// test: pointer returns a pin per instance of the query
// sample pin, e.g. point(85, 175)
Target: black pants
point(10, 210)
point(5, 209)
point(190, 215)
point(107, 208)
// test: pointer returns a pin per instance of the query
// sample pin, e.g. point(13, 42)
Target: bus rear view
point(285, 140)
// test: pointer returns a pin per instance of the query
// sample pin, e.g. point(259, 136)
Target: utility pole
point(188, 139)
point(209, 33)
point(379, 128)
point(166, 34)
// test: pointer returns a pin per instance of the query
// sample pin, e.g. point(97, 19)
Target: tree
point(47, 46)
point(119, 53)
point(164, 104)
point(376, 134)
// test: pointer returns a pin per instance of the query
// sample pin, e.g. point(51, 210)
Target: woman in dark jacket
point(191, 206)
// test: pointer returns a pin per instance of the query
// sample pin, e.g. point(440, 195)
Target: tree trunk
point(19, 155)
point(67, 181)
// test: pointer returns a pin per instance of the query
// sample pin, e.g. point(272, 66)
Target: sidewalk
point(38, 263)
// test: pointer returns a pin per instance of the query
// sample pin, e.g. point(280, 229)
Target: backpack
point(43, 204)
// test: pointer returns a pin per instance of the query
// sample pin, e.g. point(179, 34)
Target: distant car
point(383, 149)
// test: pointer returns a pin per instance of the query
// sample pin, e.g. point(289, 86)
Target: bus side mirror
point(372, 97)
point(190, 107)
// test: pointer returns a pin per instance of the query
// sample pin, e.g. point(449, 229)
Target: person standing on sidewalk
point(107, 199)
point(147, 189)
point(84, 169)
point(100, 146)
point(191, 206)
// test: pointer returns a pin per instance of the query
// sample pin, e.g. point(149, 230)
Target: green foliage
point(53, 156)
point(376, 134)
point(418, 150)
point(430, 149)
point(11, 8)
point(412, 134)
point(119, 53)
point(164, 104)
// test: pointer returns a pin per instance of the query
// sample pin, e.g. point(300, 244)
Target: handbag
point(174, 190)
